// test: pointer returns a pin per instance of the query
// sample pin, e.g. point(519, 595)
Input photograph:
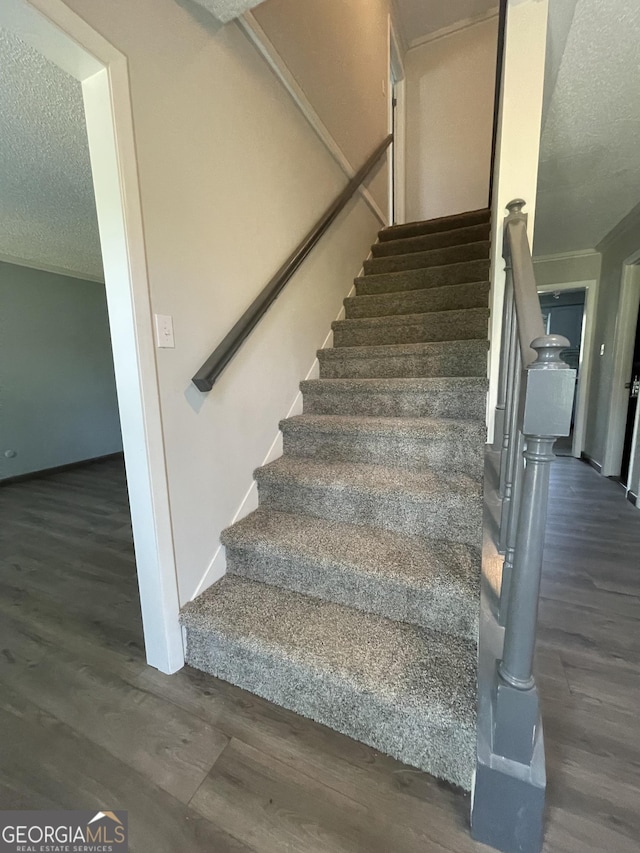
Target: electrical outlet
point(164, 331)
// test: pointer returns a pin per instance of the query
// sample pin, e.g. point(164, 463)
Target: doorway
point(619, 453)
point(563, 314)
point(633, 387)
point(574, 317)
point(66, 40)
point(396, 125)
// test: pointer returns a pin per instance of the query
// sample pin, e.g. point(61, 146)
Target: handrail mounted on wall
point(221, 356)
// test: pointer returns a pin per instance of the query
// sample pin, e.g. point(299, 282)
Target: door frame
point(67, 40)
point(397, 168)
point(623, 344)
point(586, 355)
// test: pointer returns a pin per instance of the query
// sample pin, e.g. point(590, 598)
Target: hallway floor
point(203, 766)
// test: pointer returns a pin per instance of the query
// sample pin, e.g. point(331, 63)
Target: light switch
point(601, 349)
point(164, 331)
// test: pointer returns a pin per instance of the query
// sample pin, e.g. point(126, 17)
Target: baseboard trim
point(632, 498)
point(595, 465)
point(58, 469)
point(217, 567)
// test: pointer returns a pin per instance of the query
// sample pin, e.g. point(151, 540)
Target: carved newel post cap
point(516, 205)
point(548, 348)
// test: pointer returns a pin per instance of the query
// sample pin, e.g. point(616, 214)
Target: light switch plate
point(164, 331)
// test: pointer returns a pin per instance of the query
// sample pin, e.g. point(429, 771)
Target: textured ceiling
point(47, 207)
point(419, 18)
point(227, 10)
point(589, 176)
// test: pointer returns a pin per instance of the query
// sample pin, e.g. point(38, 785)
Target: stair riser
point(433, 226)
point(442, 326)
point(439, 240)
point(421, 260)
point(469, 405)
point(461, 450)
point(420, 279)
point(451, 613)
point(445, 360)
point(458, 518)
point(446, 749)
point(454, 298)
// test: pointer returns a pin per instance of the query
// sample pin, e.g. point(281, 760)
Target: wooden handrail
point(221, 356)
point(527, 303)
point(502, 28)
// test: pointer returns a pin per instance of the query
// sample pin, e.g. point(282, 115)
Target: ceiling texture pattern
point(47, 207)
point(589, 175)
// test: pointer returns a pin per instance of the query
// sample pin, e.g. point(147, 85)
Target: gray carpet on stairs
point(352, 593)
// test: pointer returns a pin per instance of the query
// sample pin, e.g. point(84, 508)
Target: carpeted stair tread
point(405, 690)
point(452, 297)
point(436, 443)
point(461, 397)
point(436, 240)
point(430, 226)
point(441, 358)
point(442, 275)
point(433, 257)
point(454, 325)
point(439, 504)
point(352, 592)
point(409, 578)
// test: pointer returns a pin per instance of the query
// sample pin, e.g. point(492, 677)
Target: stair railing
point(209, 372)
point(538, 405)
point(536, 393)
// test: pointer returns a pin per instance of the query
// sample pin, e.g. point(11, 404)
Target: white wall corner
point(517, 153)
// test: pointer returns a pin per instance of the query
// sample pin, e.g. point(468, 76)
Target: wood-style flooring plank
point(203, 766)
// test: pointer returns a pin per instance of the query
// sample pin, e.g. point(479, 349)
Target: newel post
point(509, 792)
point(546, 405)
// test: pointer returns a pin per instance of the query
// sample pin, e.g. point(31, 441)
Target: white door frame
point(623, 344)
point(586, 355)
point(397, 174)
point(67, 40)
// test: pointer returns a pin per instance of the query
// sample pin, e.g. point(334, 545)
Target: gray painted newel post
point(509, 787)
point(545, 414)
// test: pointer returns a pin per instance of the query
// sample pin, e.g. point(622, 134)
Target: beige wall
point(450, 93)
point(231, 177)
point(338, 52)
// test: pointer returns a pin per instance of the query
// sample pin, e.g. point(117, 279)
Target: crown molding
point(37, 265)
point(627, 223)
point(444, 32)
point(565, 256)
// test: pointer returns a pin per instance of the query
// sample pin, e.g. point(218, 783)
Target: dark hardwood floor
point(202, 766)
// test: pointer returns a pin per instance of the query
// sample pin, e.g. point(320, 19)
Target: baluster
point(509, 447)
point(500, 423)
point(511, 526)
point(507, 367)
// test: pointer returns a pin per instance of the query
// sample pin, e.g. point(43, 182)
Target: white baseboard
point(217, 568)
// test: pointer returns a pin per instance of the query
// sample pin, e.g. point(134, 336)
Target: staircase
point(352, 592)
